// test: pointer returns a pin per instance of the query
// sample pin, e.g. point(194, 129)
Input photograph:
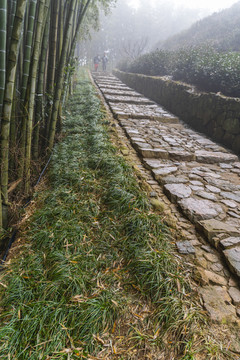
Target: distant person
point(104, 62)
point(96, 61)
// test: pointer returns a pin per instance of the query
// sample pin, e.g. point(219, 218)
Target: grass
point(96, 276)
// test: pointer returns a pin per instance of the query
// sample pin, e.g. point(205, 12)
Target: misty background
point(135, 27)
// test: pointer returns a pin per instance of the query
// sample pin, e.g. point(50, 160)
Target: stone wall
point(215, 115)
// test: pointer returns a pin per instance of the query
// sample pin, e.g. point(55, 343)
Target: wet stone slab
point(214, 157)
point(213, 189)
point(235, 295)
point(181, 155)
point(155, 164)
point(197, 210)
point(185, 247)
point(139, 146)
point(137, 139)
point(206, 195)
point(132, 131)
point(213, 227)
point(117, 92)
point(142, 112)
point(128, 99)
point(161, 172)
point(153, 153)
point(175, 180)
point(115, 87)
point(177, 192)
point(230, 242)
point(218, 304)
point(232, 257)
point(232, 196)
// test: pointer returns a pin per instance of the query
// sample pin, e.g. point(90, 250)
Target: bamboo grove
point(37, 40)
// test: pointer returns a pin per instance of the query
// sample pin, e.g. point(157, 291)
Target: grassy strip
point(93, 247)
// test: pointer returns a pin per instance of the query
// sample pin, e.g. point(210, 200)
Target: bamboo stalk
point(32, 87)
point(52, 60)
point(11, 9)
point(26, 68)
point(39, 110)
point(3, 44)
point(60, 75)
point(8, 97)
point(28, 47)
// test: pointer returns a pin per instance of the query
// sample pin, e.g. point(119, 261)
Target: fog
point(212, 5)
point(138, 26)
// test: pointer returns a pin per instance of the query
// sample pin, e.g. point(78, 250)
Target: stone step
point(141, 112)
point(217, 302)
point(226, 238)
point(214, 157)
point(117, 92)
point(128, 99)
point(114, 87)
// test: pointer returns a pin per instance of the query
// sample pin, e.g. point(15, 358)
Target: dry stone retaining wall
point(215, 115)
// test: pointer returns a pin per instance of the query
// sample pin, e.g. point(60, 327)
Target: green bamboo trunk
point(81, 11)
point(60, 74)
point(39, 110)
point(28, 47)
point(52, 60)
point(68, 69)
point(13, 155)
point(32, 87)
point(25, 75)
point(12, 5)
point(68, 50)
point(8, 97)
point(53, 46)
point(60, 30)
point(3, 44)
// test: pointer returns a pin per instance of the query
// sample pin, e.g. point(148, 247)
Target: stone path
point(202, 181)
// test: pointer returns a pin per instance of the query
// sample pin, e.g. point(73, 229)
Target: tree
point(8, 100)
point(133, 49)
point(38, 40)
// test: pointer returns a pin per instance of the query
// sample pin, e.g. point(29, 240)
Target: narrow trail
point(192, 180)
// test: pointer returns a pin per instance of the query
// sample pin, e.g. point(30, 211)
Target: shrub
point(155, 63)
point(203, 67)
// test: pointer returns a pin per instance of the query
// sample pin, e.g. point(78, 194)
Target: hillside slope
point(222, 30)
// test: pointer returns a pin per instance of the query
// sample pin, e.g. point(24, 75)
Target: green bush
point(155, 63)
point(203, 67)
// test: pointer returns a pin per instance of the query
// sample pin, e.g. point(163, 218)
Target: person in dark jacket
point(96, 62)
point(104, 61)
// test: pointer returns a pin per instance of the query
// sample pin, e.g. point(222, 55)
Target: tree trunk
point(52, 61)
point(26, 68)
point(8, 97)
point(11, 11)
point(39, 110)
point(3, 44)
point(28, 47)
point(60, 75)
point(32, 88)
